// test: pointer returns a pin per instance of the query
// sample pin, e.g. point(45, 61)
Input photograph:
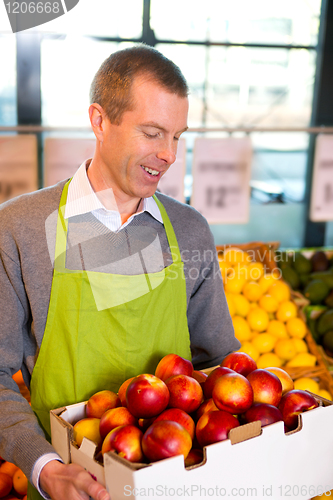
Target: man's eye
point(176, 138)
point(150, 136)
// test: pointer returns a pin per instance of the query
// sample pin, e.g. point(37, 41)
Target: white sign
point(18, 165)
point(221, 179)
point(62, 157)
point(321, 206)
point(172, 183)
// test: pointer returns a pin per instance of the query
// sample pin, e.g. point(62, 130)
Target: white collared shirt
point(81, 199)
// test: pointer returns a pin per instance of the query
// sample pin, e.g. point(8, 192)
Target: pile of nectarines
point(13, 483)
point(179, 410)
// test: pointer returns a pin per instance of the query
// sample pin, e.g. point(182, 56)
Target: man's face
point(135, 154)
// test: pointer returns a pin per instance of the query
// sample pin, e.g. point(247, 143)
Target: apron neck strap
point(62, 227)
point(61, 237)
point(173, 243)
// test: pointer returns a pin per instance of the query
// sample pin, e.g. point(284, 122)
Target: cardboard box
point(253, 463)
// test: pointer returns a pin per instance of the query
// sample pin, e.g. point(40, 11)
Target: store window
point(8, 116)
point(248, 65)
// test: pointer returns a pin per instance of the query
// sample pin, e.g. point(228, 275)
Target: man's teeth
point(150, 170)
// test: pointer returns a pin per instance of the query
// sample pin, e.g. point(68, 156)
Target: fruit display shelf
point(266, 254)
point(259, 251)
point(310, 271)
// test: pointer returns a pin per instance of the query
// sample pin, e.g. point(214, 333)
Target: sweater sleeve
point(210, 325)
point(21, 439)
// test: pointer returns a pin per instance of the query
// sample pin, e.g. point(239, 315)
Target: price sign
point(321, 206)
point(62, 157)
point(18, 165)
point(172, 183)
point(221, 179)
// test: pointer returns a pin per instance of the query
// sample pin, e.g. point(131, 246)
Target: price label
point(18, 166)
point(172, 182)
point(62, 157)
point(221, 179)
point(321, 205)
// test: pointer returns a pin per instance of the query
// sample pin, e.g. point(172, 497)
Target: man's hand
point(70, 482)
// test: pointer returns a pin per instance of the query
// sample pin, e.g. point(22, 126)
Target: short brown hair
point(111, 86)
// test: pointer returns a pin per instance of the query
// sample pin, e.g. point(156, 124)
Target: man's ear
point(97, 118)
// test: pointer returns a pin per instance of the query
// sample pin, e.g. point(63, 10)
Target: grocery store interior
point(257, 162)
point(255, 69)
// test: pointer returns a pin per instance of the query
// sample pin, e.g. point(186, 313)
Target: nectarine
point(100, 402)
point(240, 362)
point(172, 364)
point(147, 396)
point(185, 393)
point(266, 386)
point(233, 393)
point(166, 439)
point(125, 440)
point(214, 426)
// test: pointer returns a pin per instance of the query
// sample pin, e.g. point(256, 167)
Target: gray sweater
point(25, 284)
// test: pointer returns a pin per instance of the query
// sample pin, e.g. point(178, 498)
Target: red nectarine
point(293, 403)
point(114, 418)
point(125, 440)
point(166, 439)
point(214, 426)
point(266, 386)
point(172, 364)
point(233, 393)
point(240, 362)
point(100, 402)
point(185, 393)
point(147, 396)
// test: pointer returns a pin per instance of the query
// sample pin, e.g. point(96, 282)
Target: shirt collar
point(82, 199)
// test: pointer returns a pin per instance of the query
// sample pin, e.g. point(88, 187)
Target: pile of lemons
point(264, 316)
point(312, 385)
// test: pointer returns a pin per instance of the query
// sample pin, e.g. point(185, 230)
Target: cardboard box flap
point(246, 431)
point(61, 435)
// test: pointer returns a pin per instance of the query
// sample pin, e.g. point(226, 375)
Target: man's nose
point(168, 152)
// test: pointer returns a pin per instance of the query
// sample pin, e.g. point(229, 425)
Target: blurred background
point(260, 69)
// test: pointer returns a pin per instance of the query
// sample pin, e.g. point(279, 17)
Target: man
point(99, 277)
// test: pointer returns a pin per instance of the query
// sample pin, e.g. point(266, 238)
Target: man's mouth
point(150, 170)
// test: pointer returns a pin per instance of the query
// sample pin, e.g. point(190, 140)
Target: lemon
point(252, 291)
point(234, 282)
point(324, 394)
point(241, 268)
point(242, 304)
point(268, 359)
point(231, 304)
point(234, 255)
point(278, 329)
point(225, 268)
point(285, 349)
point(286, 310)
point(255, 271)
point(296, 327)
point(269, 303)
point(257, 319)
point(300, 345)
point(264, 342)
point(306, 384)
point(303, 359)
point(279, 290)
point(266, 281)
point(242, 329)
point(250, 349)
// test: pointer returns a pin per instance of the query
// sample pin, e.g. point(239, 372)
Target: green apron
point(87, 347)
